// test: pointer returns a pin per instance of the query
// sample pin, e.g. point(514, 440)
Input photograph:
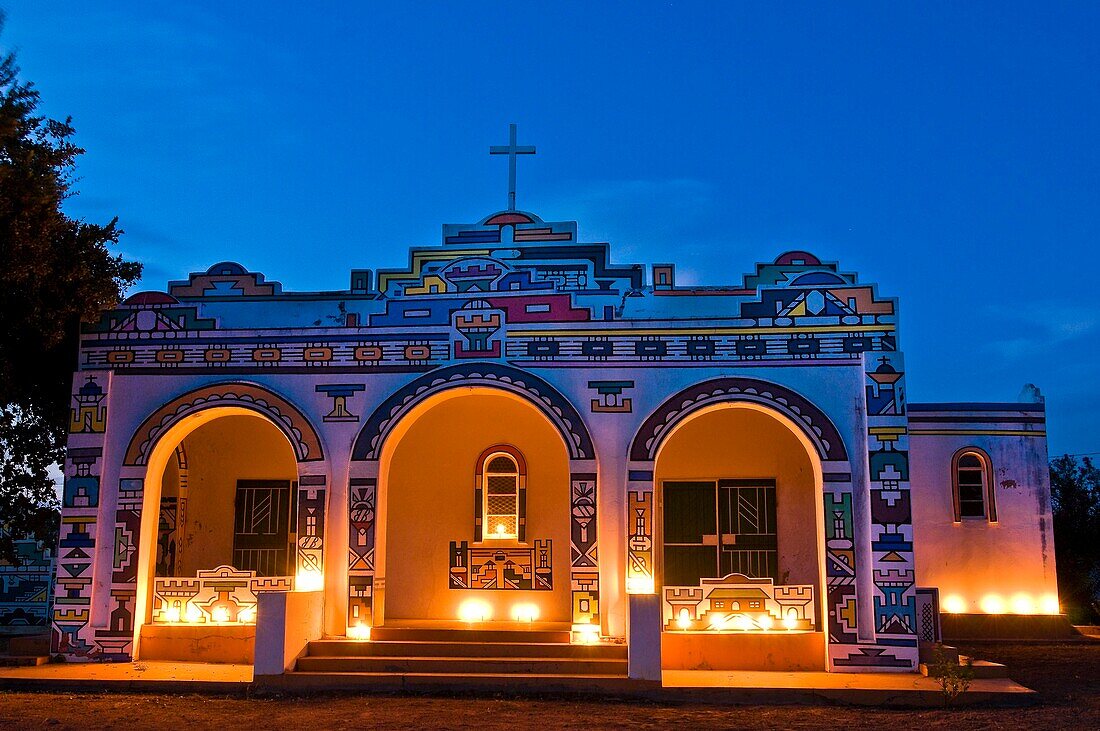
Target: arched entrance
point(741, 551)
point(473, 497)
point(221, 496)
point(474, 511)
point(741, 519)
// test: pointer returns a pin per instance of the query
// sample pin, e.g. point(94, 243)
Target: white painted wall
point(976, 563)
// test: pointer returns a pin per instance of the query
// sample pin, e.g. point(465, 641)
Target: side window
point(972, 478)
point(500, 495)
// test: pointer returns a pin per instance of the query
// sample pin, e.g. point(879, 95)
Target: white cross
point(511, 150)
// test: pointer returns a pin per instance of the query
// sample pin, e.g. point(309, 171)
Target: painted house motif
point(517, 427)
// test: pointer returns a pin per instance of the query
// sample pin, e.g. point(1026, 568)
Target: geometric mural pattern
point(502, 568)
point(71, 631)
point(501, 298)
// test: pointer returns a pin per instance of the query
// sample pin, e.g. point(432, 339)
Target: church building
point(517, 438)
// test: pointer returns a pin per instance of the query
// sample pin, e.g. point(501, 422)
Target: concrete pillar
point(643, 636)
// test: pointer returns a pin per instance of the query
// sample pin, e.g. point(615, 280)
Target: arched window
point(972, 479)
point(500, 495)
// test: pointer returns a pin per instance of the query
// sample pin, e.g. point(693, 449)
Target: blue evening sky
point(946, 151)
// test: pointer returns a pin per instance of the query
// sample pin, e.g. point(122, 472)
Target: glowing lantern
point(640, 584)
point(474, 610)
point(992, 604)
point(954, 604)
point(765, 622)
point(501, 530)
point(309, 580)
point(585, 634)
point(220, 615)
point(1023, 604)
point(683, 621)
point(789, 622)
point(718, 622)
point(359, 631)
point(193, 614)
point(1049, 604)
point(172, 614)
point(525, 612)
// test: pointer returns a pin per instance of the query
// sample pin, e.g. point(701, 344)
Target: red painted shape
point(503, 219)
point(804, 257)
point(548, 308)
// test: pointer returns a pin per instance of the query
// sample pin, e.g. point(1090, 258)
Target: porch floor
point(167, 677)
point(854, 688)
point(705, 686)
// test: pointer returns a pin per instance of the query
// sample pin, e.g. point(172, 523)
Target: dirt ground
point(1067, 677)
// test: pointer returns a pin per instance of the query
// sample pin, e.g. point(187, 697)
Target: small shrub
point(954, 679)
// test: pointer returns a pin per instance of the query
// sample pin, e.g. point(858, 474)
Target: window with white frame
point(501, 490)
point(972, 481)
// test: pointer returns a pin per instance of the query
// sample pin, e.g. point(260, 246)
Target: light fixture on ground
point(309, 580)
point(475, 610)
point(640, 584)
point(359, 631)
point(992, 604)
point(525, 612)
point(585, 634)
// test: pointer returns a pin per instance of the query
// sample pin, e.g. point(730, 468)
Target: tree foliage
point(1075, 500)
point(55, 273)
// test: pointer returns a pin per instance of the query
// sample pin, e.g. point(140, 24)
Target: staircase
point(398, 658)
point(982, 669)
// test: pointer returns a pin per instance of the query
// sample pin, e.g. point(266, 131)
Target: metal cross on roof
point(511, 150)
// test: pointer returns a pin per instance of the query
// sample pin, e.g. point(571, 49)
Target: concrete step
point(389, 648)
point(36, 644)
point(927, 652)
point(390, 682)
point(455, 634)
point(18, 661)
point(464, 665)
point(983, 669)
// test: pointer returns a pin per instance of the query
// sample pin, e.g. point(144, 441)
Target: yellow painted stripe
point(980, 432)
point(384, 278)
point(704, 331)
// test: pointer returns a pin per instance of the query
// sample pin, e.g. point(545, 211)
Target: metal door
point(261, 526)
point(719, 527)
point(748, 543)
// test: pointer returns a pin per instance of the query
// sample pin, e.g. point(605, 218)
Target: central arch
point(380, 439)
point(368, 444)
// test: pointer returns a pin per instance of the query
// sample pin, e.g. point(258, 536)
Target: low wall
point(285, 624)
point(1006, 627)
point(783, 652)
point(216, 643)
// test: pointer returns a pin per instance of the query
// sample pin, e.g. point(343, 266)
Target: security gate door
point(746, 518)
point(261, 526)
point(719, 527)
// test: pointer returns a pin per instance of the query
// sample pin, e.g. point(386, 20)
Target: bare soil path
point(1067, 676)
